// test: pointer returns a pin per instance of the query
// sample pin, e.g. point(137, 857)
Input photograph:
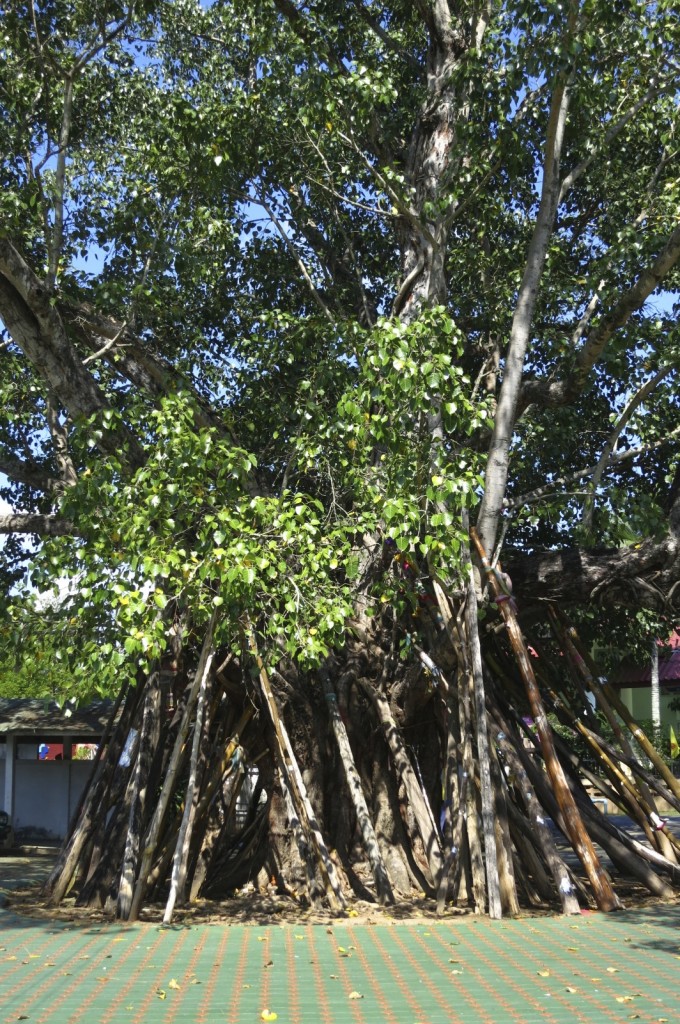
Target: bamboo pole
point(179, 864)
point(604, 894)
point(506, 868)
point(567, 635)
point(488, 814)
point(62, 873)
point(475, 862)
point(314, 888)
point(647, 746)
point(294, 782)
point(627, 793)
point(422, 812)
point(147, 737)
point(637, 769)
point(454, 789)
point(370, 840)
point(539, 829)
point(620, 853)
point(534, 875)
point(153, 832)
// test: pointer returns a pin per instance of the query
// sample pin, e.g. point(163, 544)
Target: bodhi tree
point(293, 297)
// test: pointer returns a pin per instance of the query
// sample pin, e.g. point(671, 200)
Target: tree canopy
point(292, 294)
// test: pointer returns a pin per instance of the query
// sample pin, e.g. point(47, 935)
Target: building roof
point(629, 674)
point(36, 717)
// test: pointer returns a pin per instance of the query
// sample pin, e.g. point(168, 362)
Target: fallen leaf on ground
point(352, 913)
point(570, 989)
point(543, 974)
point(160, 993)
point(268, 1014)
point(612, 970)
point(355, 995)
point(173, 983)
point(573, 949)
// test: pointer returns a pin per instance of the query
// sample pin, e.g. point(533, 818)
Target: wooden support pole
point(488, 813)
point(602, 889)
point(148, 738)
point(181, 856)
point(539, 829)
point(475, 862)
point(568, 637)
point(293, 779)
point(422, 812)
point(370, 840)
point(638, 734)
point(153, 832)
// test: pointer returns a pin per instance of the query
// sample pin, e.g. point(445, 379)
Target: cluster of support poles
point(197, 792)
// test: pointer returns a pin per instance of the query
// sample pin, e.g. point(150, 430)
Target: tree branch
point(652, 92)
point(32, 476)
point(631, 301)
point(538, 493)
point(561, 392)
point(496, 476)
point(608, 449)
point(35, 325)
point(385, 37)
point(297, 258)
point(646, 575)
point(43, 525)
point(57, 240)
point(59, 434)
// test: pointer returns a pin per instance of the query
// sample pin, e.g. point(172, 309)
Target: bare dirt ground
point(253, 908)
point(21, 878)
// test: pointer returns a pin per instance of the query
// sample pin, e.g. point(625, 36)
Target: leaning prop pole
point(293, 780)
point(488, 811)
point(605, 896)
point(370, 840)
point(154, 830)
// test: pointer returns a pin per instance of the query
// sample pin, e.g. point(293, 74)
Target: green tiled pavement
point(594, 968)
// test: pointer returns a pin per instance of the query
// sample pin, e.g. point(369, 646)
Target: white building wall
point(46, 794)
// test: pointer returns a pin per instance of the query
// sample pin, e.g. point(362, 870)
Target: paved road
point(593, 968)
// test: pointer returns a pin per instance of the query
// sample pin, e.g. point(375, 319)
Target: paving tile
point(594, 968)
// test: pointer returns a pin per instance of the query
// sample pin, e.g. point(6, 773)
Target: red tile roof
point(628, 674)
